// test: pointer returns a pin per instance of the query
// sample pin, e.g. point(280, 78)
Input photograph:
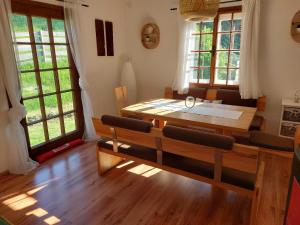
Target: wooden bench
point(207, 157)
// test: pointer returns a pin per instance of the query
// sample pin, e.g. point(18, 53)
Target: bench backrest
point(228, 96)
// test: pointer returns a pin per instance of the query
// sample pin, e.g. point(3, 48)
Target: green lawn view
point(225, 42)
point(29, 88)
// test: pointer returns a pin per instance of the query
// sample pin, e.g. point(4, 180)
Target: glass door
point(48, 78)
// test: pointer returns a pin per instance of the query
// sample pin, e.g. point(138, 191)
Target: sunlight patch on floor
point(37, 212)
point(124, 164)
point(140, 169)
point(35, 190)
point(152, 172)
point(52, 220)
point(19, 202)
point(144, 170)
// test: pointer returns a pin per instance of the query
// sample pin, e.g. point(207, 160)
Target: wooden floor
point(67, 190)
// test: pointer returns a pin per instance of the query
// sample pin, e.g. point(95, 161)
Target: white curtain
point(186, 43)
point(248, 79)
point(18, 159)
point(74, 29)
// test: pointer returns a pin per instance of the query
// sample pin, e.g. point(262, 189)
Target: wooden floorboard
point(67, 190)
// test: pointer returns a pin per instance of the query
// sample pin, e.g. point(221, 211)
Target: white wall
point(155, 68)
point(279, 55)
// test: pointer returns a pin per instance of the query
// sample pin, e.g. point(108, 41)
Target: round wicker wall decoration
point(195, 10)
point(150, 36)
point(295, 30)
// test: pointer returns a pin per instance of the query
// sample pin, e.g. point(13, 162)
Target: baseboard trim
point(4, 173)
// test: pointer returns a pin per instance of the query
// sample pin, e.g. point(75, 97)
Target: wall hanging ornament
point(150, 36)
point(196, 10)
point(295, 29)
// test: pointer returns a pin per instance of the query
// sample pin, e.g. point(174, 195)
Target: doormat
point(54, 152)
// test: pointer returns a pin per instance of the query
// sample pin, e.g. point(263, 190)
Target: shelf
point(287, 121)
point(286, 137)
point(289, 102)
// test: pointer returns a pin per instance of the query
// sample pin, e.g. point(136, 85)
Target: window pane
point(67, 101)
point(221, 76)
point(194, 43)
point(234, 60)
point(61, 56)
point(206, 42)
point(33, 109)
point(44, 56)
point(195, 59)
point(54, 128)
point(40, 29)
point(205, 59)
point(28, 85)
point(70, 123)
point(51, 105)
point(233, 77)
point(64, 79)
point(237, 22)
point(194, 76)
point(48, 82)
point(236, 41)
point(225, 22)
point(223, 41)
point(222, 59)
point(36, 134)
point(207, 26)
point(204, 75)
point(59, 34)
point(20, 28)
point(24, 57)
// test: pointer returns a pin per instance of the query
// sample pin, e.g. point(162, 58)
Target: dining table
point(224, 119)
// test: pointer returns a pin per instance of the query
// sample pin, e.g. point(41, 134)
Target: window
point(215, 49)
point(48, 77)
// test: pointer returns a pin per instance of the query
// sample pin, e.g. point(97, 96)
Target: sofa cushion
point(196, 92)
point(130, 149)
point(257, 123)
point(233, 97)
point(199, 137)
point(127, 123)
point(265, 140)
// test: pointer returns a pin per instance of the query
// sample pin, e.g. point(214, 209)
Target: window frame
point(211, 84)
point(49, 11)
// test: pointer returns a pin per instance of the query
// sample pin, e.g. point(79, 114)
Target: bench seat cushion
point(270, 141)
point(129, 149)
point(205, 169)
point(257, 122)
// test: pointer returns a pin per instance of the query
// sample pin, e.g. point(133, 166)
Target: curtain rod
point(223, 2)
point(84, 5)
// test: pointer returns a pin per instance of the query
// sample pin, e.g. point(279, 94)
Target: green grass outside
point(29, 88)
